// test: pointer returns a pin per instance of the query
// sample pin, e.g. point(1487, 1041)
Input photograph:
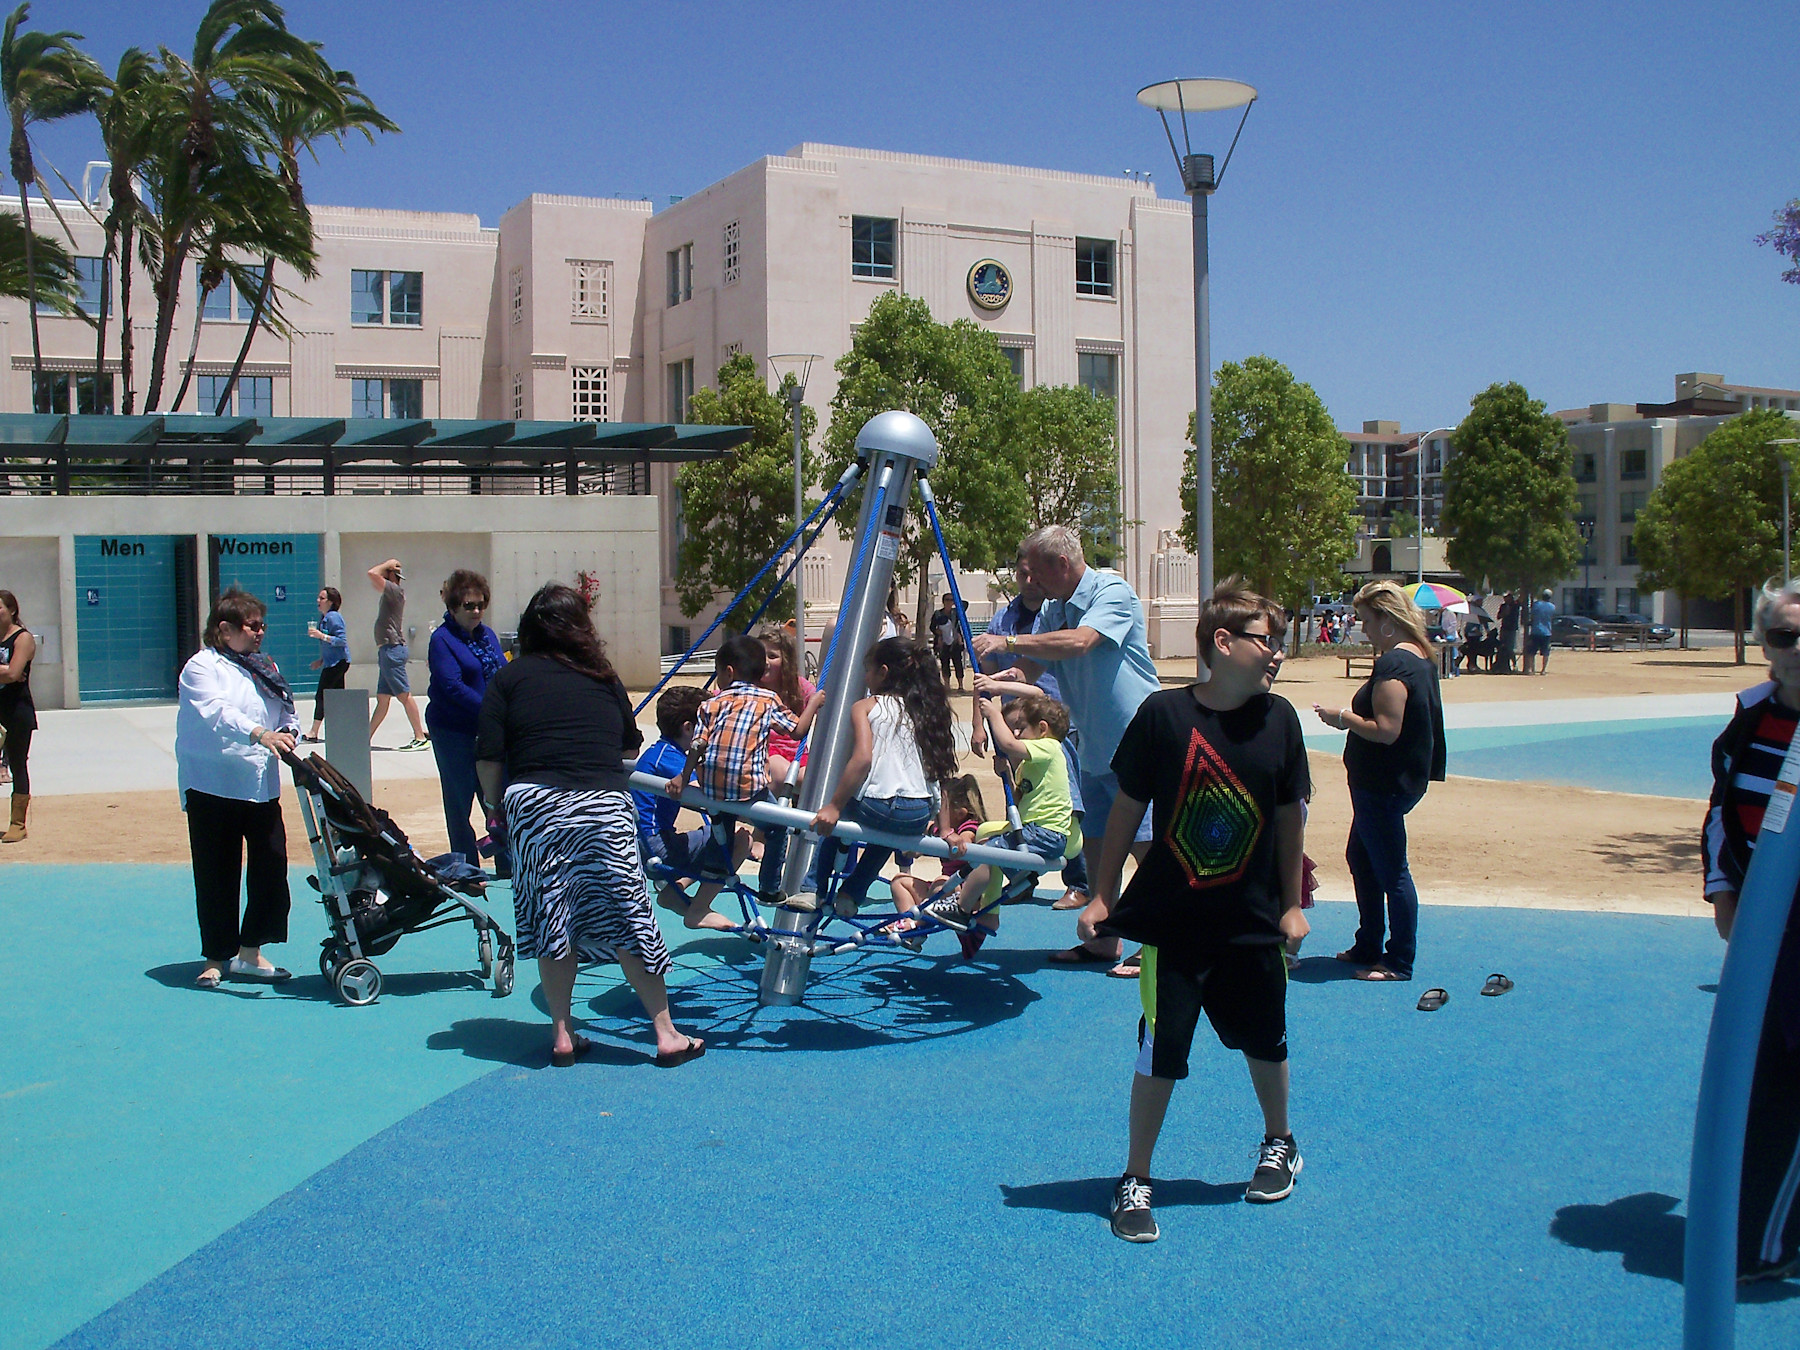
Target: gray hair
point(1773, 597)
point(1052, 541)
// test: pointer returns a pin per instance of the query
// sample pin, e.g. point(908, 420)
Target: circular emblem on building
point(990, 284)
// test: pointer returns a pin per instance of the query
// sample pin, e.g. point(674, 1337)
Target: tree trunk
point(37, 351)
point(127, 398)
point(106, 253)
point(1737, 622)
point(187, 371)
point(1681, 599)
point(168, 293)
point(262, 299)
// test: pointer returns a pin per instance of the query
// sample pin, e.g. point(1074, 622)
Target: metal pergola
point(65, 454)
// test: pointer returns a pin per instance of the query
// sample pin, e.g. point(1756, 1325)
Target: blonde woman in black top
point(18, 715)
point(1394, 749)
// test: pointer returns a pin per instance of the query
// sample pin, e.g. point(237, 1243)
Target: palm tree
point(56, 282)
point(299, 124)
point(127, 111)
point(43, 77)
point(241, 46)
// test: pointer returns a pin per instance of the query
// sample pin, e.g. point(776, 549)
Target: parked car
point(1657, 632)
point(1575, 630)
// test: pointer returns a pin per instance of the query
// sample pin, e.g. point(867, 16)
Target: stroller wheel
point(485, 949)
point(503, 973)
point(358, 982)
point(330, 958)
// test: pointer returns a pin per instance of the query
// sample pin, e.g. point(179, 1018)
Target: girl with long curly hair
point(902, 756)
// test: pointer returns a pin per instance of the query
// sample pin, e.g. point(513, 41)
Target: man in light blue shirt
point(1537, 641)
point(1091, 634)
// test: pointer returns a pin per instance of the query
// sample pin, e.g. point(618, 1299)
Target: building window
point(871, 247)
point(215, 305)
point(588, 288)
point(1093, 267)
point(1627, 548)
point(518, 398)
point(253, 396)
point(87, 274)
point(679, 637)
point(681, 389)
point(1586, 510)
point(729, 350)
point(587, 394)
point(677, 535)
point(1015, 357)
point(681, 274)
point(1625, 599)
point(404, 399)
point(1584, 466)
point(1098, 373)
point(1634, 464)
point(515, 286)
point(731, 253)
point(1630, 503)
point(394, 298)
point(246, 299)
point(61, 392)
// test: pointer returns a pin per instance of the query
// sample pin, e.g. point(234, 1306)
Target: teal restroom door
point(126, 619)
point(283, 571)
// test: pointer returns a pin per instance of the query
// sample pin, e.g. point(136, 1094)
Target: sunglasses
point(254, 626)
point(1781, 639)
point(473, 606)
point(1269, 642)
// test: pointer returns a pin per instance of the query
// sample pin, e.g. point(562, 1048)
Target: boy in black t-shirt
point(1218, 894)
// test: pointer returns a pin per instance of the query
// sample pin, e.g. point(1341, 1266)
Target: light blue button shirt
point(1105, 686)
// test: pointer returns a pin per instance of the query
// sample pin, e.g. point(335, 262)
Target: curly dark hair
point(914, 679)
point(556, 623)
point(234, 607)
point(679, 705)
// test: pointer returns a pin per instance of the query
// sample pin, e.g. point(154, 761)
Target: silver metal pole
point(1203, 465)
point(1787, 566)
point(795, 396)
point(1419, 533)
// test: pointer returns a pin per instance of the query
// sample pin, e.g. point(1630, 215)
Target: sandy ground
point(1471, 841)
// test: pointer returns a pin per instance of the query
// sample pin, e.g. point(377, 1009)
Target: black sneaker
point(1759, 1271)
point(948, 912)
point(1131, 1216)
point(1277, 1164)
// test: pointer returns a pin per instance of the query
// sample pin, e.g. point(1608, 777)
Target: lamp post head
point(898, 433)
point(1197, 174)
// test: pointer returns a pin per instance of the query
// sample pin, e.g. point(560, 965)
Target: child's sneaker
point(1277, 1164)
point(947, 912)
point(1131, 1216)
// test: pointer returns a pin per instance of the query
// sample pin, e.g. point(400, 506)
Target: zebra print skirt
point(578, 882)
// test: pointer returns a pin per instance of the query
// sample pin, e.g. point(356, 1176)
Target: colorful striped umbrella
point(1435, 595)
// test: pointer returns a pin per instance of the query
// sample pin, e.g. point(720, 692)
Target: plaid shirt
point(732, 734)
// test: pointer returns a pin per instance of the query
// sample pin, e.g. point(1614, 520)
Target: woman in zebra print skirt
point(556, 727)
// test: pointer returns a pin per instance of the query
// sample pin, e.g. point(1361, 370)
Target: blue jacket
point(334, 650)
point(457, 679)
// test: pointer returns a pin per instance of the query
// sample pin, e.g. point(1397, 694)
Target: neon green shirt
point(1043, 784)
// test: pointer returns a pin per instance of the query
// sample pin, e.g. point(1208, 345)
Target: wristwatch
point(1012, 642)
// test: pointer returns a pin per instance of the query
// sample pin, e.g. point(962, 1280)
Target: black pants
point(332, 677)
point(220, 832)
point(1771, 1152)
point(950, 656)
point(18, 751)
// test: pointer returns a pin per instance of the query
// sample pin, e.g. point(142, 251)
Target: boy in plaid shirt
point(731, 753)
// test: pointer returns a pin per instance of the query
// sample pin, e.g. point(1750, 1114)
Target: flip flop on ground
point(674, 1059)
point(1381, 975)
point(1433, 999)
point(565, 1059)
point(1497, 984)
point(1078, 956)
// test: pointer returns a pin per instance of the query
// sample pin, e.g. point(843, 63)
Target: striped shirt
point(732, 733)
point(1746, 761)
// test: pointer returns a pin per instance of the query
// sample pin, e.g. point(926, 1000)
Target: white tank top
point(896, 770)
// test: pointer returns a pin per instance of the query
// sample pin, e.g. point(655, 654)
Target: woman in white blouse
point(235, 720)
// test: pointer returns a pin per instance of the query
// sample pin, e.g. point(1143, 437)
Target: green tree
point(1284, 505)
point(126, 112)
point(1067, 436)
point(958, 381)
point(738, 509)
point(1712, 525)
point(1509, 495)
point(54, 278)
point(1403, 524)
point(43, 77)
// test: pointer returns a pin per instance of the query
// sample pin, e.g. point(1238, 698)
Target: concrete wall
point(518, 542)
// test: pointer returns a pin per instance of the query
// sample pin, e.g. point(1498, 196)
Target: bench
point(1352, 662)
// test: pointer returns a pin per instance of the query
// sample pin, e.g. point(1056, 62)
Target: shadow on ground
point(1649, 1238)
point(526, 1044)
point(313, 988)
point(1649, 852)
point(1321, 970)
point(1093, 1195)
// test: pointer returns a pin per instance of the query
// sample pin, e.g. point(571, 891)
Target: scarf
point(486, 653)
point(261, 668)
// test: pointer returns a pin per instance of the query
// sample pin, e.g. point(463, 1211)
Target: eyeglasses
point(254, 626)
point(1781, 639)
point(1269, 642)
point(473, 606)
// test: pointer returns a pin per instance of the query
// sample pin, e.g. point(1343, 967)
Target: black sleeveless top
point(16, 707)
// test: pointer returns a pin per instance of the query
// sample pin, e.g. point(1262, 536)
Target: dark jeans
point(893, 815)
point(18, 753)
point(332, 677)
point(220, 832)
point(714, 862)
point(951, 656)
point(455, 754)
point(1771, 1142)
point(1385, 895)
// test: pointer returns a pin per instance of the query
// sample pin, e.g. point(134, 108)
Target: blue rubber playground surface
point(921, 1157)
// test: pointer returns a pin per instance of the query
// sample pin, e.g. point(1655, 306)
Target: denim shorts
point(675, 849)
point(390, 668)
point(1097, 793)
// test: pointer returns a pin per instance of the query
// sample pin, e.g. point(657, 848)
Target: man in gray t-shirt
point(390, 652)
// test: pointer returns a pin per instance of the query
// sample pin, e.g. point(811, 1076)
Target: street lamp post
point(1586, 529)
point(1199, 181)
point(1419, 538)
point(1787, 569)
point(799, 365)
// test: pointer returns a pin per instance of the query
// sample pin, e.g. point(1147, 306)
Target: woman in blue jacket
point(465, 654)
point(334, 654)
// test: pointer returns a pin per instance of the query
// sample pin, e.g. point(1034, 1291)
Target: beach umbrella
point(1435, 595)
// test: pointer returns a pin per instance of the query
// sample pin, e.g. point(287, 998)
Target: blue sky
point(1427, 197)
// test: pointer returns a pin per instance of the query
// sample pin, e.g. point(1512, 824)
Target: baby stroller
point(375, 888)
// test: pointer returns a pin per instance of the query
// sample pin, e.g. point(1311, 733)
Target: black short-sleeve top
point(555, 726)
point(1404, 768)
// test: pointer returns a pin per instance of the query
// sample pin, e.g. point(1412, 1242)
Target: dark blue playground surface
point(922, 1157)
